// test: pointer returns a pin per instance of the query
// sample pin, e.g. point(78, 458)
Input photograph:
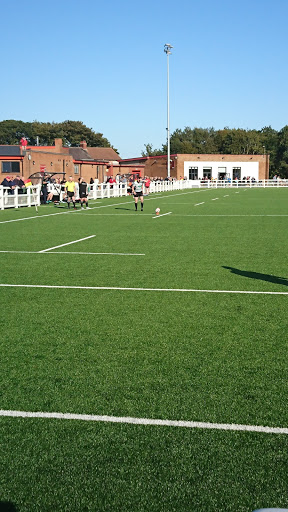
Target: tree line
point(71, 132)
point(230, 142)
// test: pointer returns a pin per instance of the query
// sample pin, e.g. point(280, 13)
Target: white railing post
point(94, 190)
point(16, 200)
point(38, 194)
point(1, 197)
point(29, 193)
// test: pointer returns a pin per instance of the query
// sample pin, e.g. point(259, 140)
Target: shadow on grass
point(7, 506)
point(129, 209)
point(256, 275)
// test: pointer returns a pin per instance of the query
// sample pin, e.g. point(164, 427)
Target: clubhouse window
point(193, 173)
point(236, 173)
point(207, 172)
point(10, 167)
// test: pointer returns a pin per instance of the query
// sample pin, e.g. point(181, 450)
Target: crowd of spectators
point(12, 182)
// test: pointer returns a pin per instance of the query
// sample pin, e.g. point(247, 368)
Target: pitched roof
point(10, 151)
point(80, 154)
point(103, 154)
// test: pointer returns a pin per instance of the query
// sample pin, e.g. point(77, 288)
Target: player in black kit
point(83, 193)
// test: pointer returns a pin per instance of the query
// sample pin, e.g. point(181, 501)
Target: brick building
point(75, 161)
point(201, 166)
point(100, 163)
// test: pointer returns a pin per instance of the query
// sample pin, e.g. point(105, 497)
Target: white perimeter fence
point(32, 195)
point(21, 197)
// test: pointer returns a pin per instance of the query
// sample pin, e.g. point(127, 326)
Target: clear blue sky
point(104, 64)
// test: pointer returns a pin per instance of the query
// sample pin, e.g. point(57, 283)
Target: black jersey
point(83, 188)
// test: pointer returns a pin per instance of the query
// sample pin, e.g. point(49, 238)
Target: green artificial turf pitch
point(194, 356)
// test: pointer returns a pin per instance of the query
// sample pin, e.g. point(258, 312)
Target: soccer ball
point(157, 211)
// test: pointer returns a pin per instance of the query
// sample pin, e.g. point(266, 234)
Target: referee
point(70, 186)
point(137, 190)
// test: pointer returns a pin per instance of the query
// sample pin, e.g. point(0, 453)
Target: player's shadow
point(256, 275)
point(7, 506)
point(129, 209)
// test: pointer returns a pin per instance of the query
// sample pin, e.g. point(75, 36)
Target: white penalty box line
point(144, 421)
point(162, 215)
point(50, 250)
point(131, 289)
point(68, 243)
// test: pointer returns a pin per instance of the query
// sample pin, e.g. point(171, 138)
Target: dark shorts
point(138, 194)
point(70, 194)
point(83, 196)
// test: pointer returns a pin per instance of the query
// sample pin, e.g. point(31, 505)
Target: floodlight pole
point(167, 50)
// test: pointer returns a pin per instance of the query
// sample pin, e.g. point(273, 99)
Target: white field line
point(183, 215)
point(35, 217)
point(68, 243)
point(215, 199)
point(96, 207)
point(162, 215)
point(228, 215)
point(85, 253)
point(197, 204)
point(130, 289)
point(227, 195)
point(119, 214)
point(145, 421)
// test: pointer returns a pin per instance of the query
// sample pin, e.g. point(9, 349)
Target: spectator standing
point(147, 185)
point(112, 181)
point(130, 185)
point(44, 188)
point(7, 183)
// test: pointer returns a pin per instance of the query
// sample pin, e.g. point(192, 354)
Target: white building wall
point(250, 169)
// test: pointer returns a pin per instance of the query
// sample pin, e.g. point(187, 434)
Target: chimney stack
point(83, 144)
point(58, 144)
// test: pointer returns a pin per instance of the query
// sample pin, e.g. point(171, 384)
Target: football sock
point(136, 206)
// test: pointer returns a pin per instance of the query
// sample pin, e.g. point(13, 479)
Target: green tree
point(149, 151)
point(71, 132)
point(196, 140)
point(281, 157)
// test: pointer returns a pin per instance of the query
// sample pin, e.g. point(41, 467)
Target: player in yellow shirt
point(70, 186)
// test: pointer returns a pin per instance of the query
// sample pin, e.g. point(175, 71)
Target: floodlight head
point(167, 48)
